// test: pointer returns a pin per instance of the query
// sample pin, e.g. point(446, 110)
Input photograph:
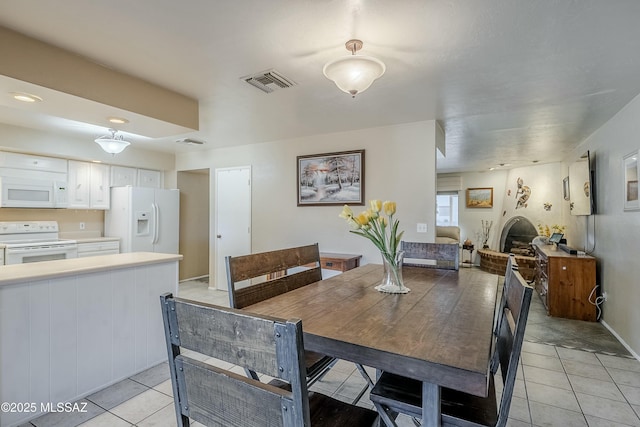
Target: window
point(447, 208)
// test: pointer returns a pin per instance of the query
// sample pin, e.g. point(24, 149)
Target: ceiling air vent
point(190, 141)
point(268, 81)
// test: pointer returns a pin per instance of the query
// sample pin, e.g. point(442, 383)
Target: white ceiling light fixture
point(25, 97)
point(118, 120)
point(112, 144)
point(354, 73)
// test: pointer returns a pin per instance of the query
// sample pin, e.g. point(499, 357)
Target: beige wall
point(68, 220)
point(613, 235)
point(194, 223)
point(399, 165)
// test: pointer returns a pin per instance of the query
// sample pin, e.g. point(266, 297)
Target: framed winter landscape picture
point(331, 179)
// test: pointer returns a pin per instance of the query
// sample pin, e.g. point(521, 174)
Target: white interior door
point(233, 217)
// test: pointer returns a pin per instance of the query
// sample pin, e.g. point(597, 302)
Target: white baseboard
point(615, 334)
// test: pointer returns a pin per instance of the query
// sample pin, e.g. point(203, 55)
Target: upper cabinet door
point(100, 189)
point(88, 185)
point(149, 178)
point(79, 185)
point(122, 176)
point(34, 163)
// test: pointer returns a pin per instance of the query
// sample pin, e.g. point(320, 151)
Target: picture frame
point(480, 197)
point(631, 168)
point(331, 179)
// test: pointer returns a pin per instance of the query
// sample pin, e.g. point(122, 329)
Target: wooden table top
point(440, 332)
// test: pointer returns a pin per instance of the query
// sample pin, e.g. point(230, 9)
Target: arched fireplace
point(517, 235)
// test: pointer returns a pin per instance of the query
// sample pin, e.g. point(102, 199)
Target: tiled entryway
point(582, 382)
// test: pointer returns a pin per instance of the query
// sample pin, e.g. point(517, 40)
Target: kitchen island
point(71, 327)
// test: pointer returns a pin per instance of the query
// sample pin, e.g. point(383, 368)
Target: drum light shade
point(354, 73)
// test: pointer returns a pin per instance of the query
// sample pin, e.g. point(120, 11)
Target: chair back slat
point(260, 264)
point(234, 337)
point(274, 265)
point(253, 294)
point(446, 255)
point(218, 397)
point(245, 403)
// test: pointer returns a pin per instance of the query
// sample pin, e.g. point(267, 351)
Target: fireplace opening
point(517, 236)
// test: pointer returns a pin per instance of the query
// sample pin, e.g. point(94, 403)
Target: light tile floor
point(562, 381)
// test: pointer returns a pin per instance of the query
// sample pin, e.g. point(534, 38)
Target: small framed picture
point(631, 172)
point(480, 197)
point(331, 179)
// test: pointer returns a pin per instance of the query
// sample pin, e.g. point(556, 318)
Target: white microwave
point(32, 193)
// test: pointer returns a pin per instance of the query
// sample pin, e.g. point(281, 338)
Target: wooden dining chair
point(268, 274)
point(445, 255)
point(215, 396)
point(394, 394)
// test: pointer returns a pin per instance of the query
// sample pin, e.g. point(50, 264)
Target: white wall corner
point(440, 140)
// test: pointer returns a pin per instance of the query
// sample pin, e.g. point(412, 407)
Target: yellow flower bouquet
point(378, 225)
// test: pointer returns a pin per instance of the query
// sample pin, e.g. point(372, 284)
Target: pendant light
point(354, 73)
point(112, 144)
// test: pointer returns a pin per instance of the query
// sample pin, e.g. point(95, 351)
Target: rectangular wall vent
point(268, 81)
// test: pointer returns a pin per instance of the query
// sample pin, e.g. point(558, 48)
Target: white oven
point(34, 241)
point(40, 251)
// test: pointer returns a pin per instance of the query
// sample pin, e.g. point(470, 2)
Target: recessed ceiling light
point(25, 97)
point(118, 120)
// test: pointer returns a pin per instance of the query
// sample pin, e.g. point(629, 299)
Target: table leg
point(430, 405)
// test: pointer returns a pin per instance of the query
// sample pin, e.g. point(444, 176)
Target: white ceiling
point(511, 81)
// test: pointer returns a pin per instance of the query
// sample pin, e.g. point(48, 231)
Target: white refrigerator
point(145, 219)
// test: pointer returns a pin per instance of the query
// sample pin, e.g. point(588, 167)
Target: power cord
point(597, 302)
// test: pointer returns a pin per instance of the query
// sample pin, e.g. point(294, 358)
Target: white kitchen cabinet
point(2, 256)
point(34, 163)
point(106, 247)
point(149, 178)
point(122, 176)
point(88, 185)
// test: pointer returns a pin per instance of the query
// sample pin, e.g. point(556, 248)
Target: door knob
point(219, 236)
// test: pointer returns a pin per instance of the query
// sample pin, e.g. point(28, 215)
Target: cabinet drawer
point(339, 262)
point(333, 264)
point(98, 248)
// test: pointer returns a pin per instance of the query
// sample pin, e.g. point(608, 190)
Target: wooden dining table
point(439, 333)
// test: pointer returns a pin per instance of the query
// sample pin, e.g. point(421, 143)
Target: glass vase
point(392, 279)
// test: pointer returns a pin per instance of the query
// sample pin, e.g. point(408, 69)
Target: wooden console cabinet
point(339, 262)
point(564, 283)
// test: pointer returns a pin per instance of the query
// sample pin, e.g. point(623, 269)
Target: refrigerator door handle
point(156, 223)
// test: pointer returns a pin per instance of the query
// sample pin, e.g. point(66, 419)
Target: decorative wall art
point(631, 173)
point(523, 193)
point(480, 197)
point(331, 179)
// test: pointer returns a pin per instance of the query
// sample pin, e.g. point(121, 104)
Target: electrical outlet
point(422, 227)
point(82, 226)
point(604, 295)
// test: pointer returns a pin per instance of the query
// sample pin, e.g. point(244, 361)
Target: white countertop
point(20, 273)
